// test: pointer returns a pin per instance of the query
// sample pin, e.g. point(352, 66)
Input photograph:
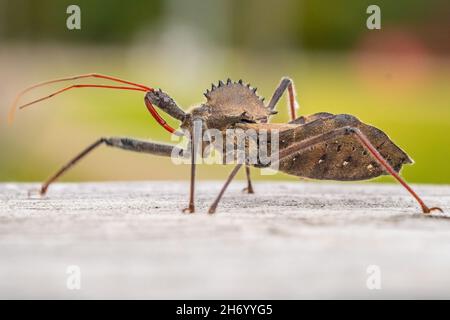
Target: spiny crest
point(231, 96)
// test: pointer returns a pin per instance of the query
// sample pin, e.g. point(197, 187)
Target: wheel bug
point(319, 146)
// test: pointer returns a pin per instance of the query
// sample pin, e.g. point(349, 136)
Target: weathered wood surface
point(289, 240)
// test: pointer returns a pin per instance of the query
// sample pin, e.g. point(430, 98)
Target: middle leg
point(249, 188)
point(213, 207)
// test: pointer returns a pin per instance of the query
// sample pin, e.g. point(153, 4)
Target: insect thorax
point(227, 104)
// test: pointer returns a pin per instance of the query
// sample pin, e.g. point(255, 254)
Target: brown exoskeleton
point(319, 146)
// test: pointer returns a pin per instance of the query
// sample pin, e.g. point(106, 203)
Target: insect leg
point(249, 188)
point(286, 83)
point(305, 144)
point(191, 206)
point(213, 207)
point(122, 143)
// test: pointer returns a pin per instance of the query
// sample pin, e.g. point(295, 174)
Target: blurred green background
point(396, 78)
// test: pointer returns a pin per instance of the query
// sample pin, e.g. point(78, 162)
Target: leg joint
point(107, 141)
point(286, 80)
point(351, 130)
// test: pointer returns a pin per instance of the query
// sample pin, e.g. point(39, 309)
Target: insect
point(320, 146)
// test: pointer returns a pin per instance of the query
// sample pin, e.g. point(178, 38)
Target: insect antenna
point(77, 86)
point(131, 86)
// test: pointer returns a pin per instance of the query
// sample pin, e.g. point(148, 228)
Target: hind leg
point(363, 140)
point(285, 84)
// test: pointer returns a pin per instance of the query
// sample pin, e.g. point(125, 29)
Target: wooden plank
point(289, 240)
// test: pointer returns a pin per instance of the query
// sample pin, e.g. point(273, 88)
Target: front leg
point(191, 206)
point(196, 145)
point(114, 142)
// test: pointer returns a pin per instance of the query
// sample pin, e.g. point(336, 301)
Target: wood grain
point(289, 240)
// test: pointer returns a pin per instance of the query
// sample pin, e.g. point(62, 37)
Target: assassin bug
point(320, 146)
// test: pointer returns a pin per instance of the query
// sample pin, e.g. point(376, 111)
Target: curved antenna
point(133, 86)
point(81, 76)
point(78, 86)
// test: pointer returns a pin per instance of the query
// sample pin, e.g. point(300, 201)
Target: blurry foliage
point(108, 21)
point(328, 25)
point(268, 25)
point(415, 114)
point(183, 45)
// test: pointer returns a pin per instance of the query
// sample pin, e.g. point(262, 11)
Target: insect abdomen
point(342, 158)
